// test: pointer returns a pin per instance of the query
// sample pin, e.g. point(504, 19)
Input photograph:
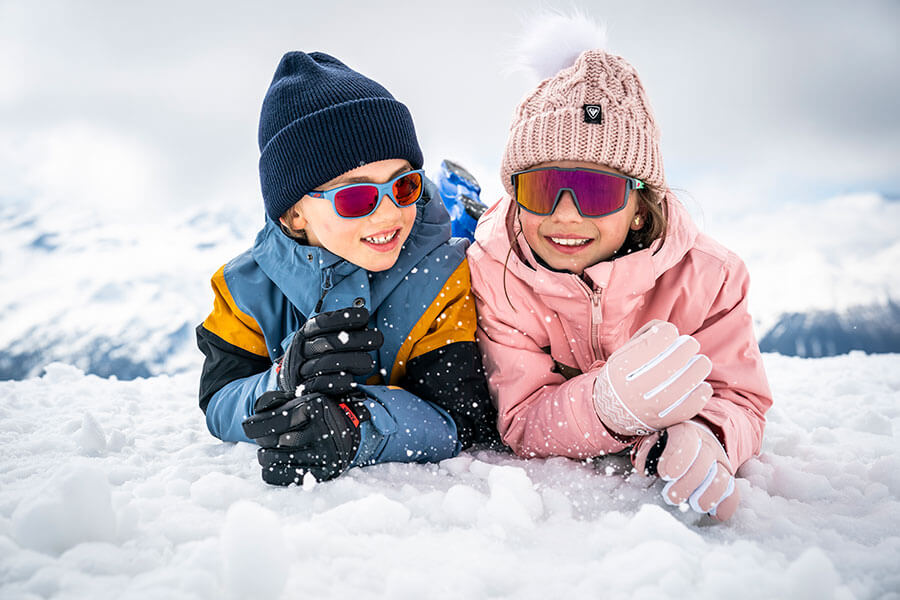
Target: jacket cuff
point(403, 428)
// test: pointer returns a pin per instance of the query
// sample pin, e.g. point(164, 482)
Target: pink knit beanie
point(595, 111)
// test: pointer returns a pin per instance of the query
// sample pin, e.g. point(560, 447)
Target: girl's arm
point(541, 413)
point(741, 394)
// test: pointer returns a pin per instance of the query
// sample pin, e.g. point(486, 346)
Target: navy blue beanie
point(319, 119)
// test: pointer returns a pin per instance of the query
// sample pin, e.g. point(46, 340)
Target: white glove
point(694, 465)
point(655, 380)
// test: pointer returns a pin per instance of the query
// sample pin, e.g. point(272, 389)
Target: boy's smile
point(372, 242)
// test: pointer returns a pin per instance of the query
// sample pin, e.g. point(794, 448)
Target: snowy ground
point(114, 489)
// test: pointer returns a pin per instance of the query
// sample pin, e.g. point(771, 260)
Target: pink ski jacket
point(544, 334)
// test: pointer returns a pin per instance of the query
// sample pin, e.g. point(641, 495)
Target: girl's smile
point(569, 242)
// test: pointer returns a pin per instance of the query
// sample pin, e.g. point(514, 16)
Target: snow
point(115, 489)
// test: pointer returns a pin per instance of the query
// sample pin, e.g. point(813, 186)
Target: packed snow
point(115, 489)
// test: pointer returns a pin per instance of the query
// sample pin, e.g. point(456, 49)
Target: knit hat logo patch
point(593, 113)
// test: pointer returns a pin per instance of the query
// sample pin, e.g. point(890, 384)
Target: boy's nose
point(387, 209)
point(566, 209)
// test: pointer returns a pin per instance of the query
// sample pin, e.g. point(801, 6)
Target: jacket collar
point(303, 273)
point(498, 234)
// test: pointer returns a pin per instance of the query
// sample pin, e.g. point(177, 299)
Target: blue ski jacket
point(428, 387)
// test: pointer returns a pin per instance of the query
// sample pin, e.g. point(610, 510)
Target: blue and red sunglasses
point(357, 200)
point(596, 193)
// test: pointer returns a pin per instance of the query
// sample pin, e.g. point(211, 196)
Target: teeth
point(570, 241)
point(381, 239)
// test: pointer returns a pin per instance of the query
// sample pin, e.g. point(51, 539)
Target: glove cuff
point(612, 412)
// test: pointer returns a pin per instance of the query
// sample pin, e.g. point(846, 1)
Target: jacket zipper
point(326, 285)
point(596, 320)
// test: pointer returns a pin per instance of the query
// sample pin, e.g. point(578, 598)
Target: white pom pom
point(552, 41)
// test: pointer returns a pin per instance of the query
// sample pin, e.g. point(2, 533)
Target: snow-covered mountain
point(115, 298)
point(871, 328)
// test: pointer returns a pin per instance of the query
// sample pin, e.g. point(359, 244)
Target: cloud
point(798, 92)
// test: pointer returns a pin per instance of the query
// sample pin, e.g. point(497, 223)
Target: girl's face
point(372, 242)
point(567, 241)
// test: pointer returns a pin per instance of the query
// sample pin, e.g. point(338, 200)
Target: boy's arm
point(231, 381)
point(441, 362)
point(403, 427)
point(237, 369)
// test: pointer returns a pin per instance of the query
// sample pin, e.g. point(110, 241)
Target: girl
point(596, 295)
point(353, 280)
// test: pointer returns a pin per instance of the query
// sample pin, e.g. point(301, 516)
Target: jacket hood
point(303, 273)
point(634, 273)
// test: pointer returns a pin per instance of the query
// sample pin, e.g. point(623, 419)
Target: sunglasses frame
point(384, 189)
point(632, 184)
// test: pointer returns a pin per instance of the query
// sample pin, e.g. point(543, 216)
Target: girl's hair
point(652, 206)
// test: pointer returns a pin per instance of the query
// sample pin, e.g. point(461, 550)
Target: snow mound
point(71, 508)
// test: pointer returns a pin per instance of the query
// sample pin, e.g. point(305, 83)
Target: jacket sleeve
point(441, 362)
point(237, 369)
point(541, 413)
point(404, 428)
point(741, 394)
point(452, 378)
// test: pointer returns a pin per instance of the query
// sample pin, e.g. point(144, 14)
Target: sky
point(151, 107)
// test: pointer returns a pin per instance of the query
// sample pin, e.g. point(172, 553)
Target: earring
point(637, 222)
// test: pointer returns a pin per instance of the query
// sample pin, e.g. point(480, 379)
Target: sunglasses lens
point(535, 191)
point(597, 194)
point(408, 189)
point(356, 201)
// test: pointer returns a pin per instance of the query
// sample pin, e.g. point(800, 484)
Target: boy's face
point(372, 242)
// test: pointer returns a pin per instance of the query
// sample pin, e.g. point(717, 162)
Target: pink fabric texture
point(550, 123)
point(544, 334)
point(696, 469)
point(655, 380)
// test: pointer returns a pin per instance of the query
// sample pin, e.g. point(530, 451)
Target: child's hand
point(694, 464)
point(655, 380)
point(311, 434)
point(328, 351)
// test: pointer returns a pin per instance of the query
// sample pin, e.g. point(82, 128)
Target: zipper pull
point(596, 319)
point(326, 285)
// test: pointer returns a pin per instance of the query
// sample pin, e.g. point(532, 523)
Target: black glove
point(328, 351)
point(311, 434)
